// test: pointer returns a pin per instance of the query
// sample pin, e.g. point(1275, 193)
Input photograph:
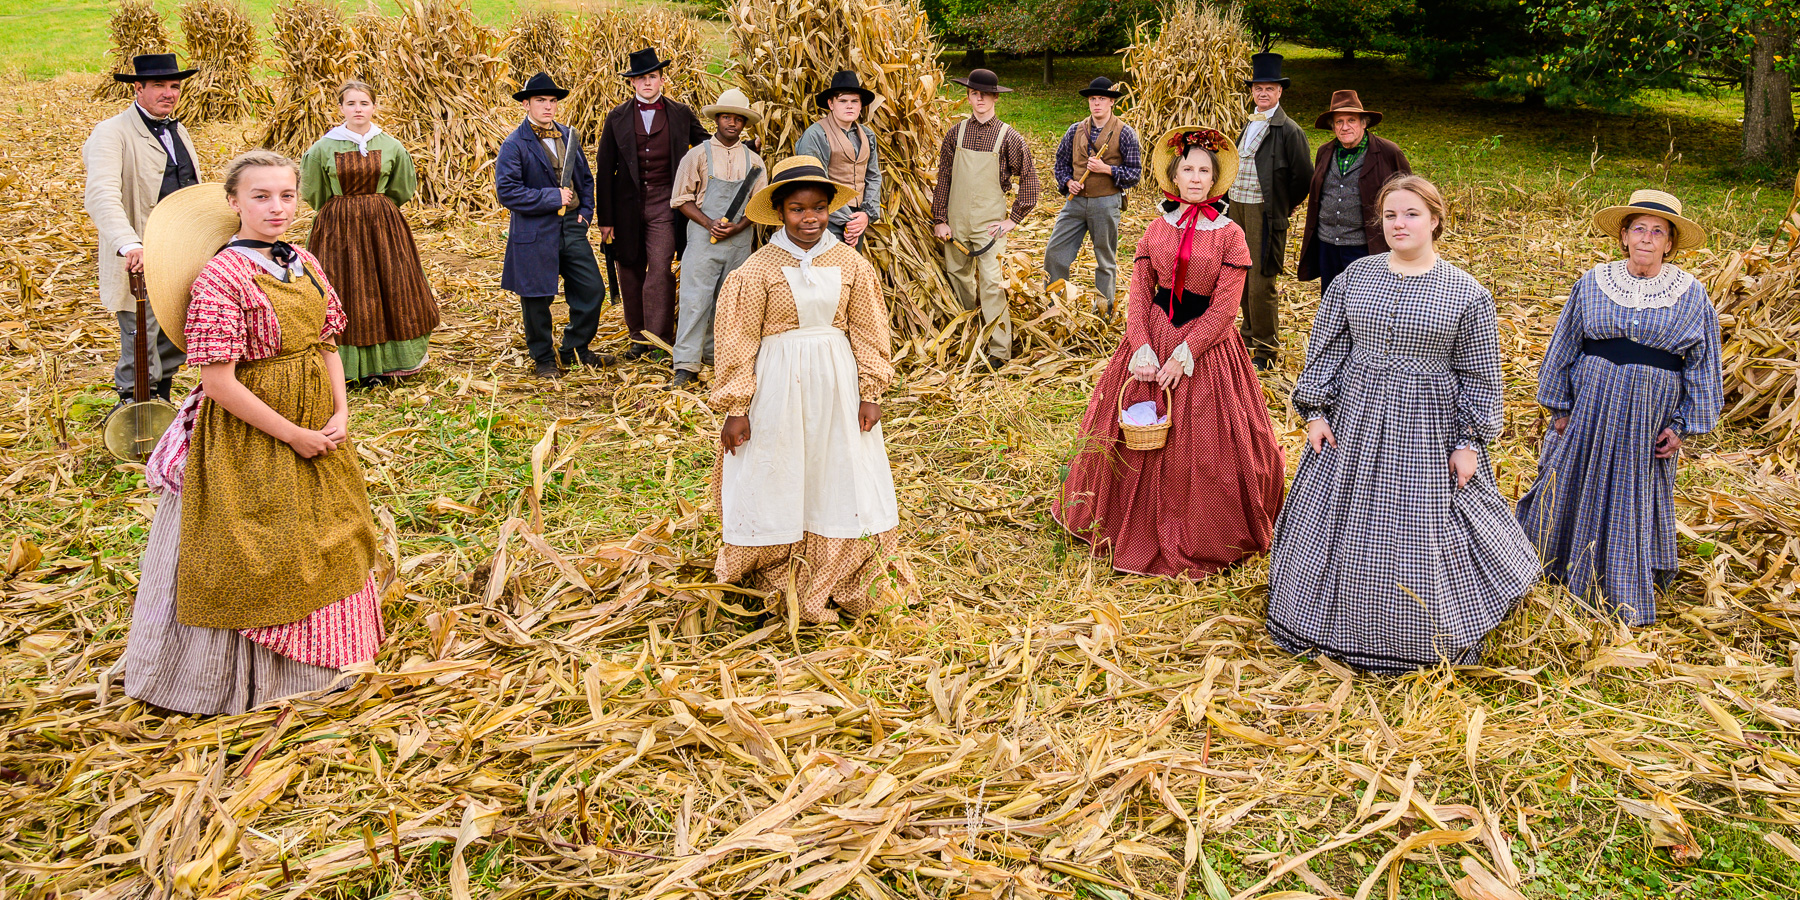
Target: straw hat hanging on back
point(1689, 234)
point(795, 170)
point(184, 232)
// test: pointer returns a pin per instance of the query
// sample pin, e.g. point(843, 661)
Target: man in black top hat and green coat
point(847, 147)
point(643, 144)
point(1098, 160)
point(133, 160)
point(1274, 171)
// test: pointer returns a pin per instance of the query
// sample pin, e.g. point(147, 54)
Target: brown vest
point(656, 165)
point(847, 165)
point(1098, 184)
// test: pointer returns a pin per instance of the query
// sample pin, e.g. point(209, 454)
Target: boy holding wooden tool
point(1098, 160)
point(711, 187)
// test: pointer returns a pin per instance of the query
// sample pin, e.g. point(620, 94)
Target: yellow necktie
point(1259, 117)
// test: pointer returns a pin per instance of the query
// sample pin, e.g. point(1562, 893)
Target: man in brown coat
point(642, 145)
point(133, 160)
point(1342, 223)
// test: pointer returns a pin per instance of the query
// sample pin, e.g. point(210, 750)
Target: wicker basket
point(1145, 437)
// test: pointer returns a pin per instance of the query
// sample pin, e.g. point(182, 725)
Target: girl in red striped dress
point(258, 582)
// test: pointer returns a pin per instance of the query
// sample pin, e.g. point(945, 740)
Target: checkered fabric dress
point(1603, 512)
point(1379, 560)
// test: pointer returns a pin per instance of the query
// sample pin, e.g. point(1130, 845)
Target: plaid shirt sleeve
point(940, 192)
point(1064, 166)
point(1130, 170)
point(1018, 163)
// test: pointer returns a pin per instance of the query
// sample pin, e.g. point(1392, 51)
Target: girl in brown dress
point(258, 581)
point(357, 176)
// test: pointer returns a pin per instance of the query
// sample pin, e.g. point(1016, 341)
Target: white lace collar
point(826, 242)
point(343, 133)
point(1659, 291)
point(1203, 224)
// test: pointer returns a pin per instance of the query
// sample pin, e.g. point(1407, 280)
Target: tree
point(1347, 26)
point(1049, 27)
point(1605, 50)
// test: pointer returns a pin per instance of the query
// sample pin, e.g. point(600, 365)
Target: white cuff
point(134, 245)
point(1144, 355)
point(1184, 356)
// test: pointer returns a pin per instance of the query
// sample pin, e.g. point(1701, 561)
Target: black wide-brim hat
point(983, 80)
point(844, 83)
point(1101, 87)
point(540, 85)
point(643, 62)
point(154, 67)
point(1265, 68)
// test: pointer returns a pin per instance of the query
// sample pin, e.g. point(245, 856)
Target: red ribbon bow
point(646, 107)
point(1189, 223)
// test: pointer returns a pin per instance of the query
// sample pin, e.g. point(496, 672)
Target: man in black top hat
point(644, 141)
point(133, 160)
point(847, 147)
point(1274, 172)
point(541, 175)
point(1098, 160)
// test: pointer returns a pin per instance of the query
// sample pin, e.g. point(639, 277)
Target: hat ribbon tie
point(1189, 223)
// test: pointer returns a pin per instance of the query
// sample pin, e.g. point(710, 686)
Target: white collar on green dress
point(1659, 291)
point(342, 133)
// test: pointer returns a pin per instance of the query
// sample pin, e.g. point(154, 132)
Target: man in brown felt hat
point(1272, 180)
point(644, 141)
point(977, 163)
point(133, 160)
point(1341, 220)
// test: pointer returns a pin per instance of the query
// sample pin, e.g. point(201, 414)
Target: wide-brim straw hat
point(1210, 138)
point(184, 232)
point(1689, 234)
point(794, 170)
point(734, 102)
point(1346, 102)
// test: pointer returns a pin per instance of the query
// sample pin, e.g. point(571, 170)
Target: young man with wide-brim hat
point(1342, 223)
point(1098, 160)
point(712, 188)
point(644, 141)
point(1272, 182)
point(977, 164)
point(133, 160)
point(542, 177)
point(847, 147)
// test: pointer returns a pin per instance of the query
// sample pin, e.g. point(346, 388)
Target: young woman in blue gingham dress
point(1603, 511)
point(1380, 560)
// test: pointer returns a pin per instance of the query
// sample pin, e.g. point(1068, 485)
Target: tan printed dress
point(807, 503)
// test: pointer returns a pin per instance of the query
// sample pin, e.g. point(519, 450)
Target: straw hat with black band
point(1183, 138)
point(795, 170)
point(184, 232)
point(1689, 234)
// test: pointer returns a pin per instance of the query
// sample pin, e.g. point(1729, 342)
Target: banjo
point(132, 430)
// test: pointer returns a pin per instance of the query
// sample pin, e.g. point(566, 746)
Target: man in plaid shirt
point(1097, 161)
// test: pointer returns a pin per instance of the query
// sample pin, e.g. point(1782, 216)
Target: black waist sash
point(1627, 352)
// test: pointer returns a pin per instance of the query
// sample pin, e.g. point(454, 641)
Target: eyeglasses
point(1639, 232)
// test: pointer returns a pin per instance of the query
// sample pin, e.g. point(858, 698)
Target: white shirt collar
point(146, 113)
point(268, 265)
point(805, 257)
point(343, 133)
point(1270, 113)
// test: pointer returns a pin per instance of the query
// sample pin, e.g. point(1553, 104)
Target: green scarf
point(1346, 159)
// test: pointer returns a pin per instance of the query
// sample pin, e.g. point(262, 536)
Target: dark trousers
point(165, 357)
point(1260, 326)
point(1333, 260)
point(583, 286)
point(648, 291)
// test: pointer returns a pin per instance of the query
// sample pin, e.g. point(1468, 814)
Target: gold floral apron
point(268, 537)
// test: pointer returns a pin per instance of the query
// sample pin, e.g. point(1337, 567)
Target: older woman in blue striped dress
point(1632, 370)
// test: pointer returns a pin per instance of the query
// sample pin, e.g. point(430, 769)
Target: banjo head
point(132, 430)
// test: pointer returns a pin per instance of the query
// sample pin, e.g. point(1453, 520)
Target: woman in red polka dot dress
point(1208, 498)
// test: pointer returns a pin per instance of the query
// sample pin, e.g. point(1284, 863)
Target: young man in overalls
point(710, 189)
point(977, 163)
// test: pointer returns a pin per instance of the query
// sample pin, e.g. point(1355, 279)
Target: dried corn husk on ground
point(785, 52)
point(314, 52)
point(1757, 293)
point(222, 44)
point(602, 44)
point(441, 87)
point(136, 28)
point(1189, 69)
point(538, 42)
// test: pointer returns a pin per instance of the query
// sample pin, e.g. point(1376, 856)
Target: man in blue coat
point(542, 176)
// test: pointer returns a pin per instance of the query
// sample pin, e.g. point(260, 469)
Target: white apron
point(808, 466)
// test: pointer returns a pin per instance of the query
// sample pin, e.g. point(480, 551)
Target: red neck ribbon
point(1188, 222)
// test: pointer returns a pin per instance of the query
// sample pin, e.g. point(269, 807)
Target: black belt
point(1627, 352)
